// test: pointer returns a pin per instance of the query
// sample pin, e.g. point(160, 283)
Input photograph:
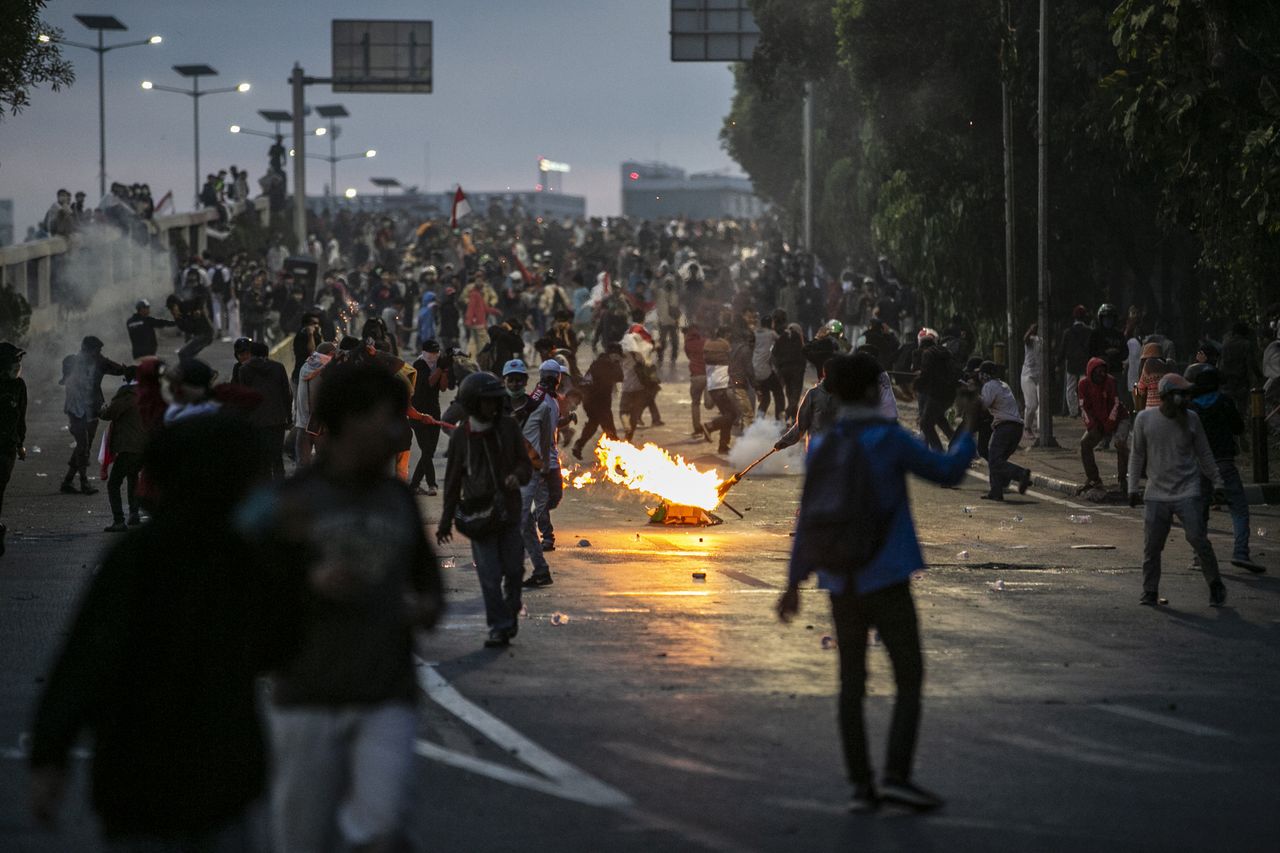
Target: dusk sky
point(587, 82)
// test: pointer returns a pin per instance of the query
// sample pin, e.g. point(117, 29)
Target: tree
point(25, 60)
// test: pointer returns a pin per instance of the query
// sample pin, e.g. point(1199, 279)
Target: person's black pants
point(82, 431)
point(891, 612)
point(428, 437)
point(193, 347)
point(7, 459)
point(271, 446)
point(727, 406)
point(124, 469)
point(770, 388)
point(668, 336)
point(599, 416)
point(933, 417)
point(1005, 437)
point(793, 384)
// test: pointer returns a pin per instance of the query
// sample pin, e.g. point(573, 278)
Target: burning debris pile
point(686, 493)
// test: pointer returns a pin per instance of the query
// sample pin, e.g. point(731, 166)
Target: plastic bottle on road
point(1080, 519)
point(559, 618)
point(963, 555)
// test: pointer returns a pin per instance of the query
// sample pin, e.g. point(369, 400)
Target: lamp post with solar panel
point(102, 24)
point(195, 93)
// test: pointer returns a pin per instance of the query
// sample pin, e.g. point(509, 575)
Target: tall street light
point(195, 93)
point(102, 23)
point(333, 160)
point(331, 112)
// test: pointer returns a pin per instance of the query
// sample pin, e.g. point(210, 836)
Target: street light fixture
point(101, 24)
point(195, 93)
point(351, 192)
point(240, 129)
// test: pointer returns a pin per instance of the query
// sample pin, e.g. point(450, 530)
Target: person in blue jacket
point(875, 593)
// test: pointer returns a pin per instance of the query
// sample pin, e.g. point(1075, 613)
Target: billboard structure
point(712, 31)
point(382, 56)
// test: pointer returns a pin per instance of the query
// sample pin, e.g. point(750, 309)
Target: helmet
point(10, 354)
point(515, 365)
point(1204, 377)
point(926, 332)
point(430, 270)
point(141, 303)
point(835, 327)
point(1109, 309)
point(480, 386)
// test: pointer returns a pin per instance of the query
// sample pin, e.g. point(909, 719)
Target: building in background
point(662, 191)
point(6, 221)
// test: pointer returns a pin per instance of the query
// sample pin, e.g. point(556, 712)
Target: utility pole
point(299, 160)
point(807, 145)
point(1047, 397)
point(1007, 62)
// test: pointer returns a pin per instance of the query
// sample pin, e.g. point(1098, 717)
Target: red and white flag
point(460, 207)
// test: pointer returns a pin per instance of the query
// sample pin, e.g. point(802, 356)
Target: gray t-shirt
point(1175, 455)
point(999, 401)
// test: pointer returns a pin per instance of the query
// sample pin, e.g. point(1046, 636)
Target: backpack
point(487, 358)
point(842, 524)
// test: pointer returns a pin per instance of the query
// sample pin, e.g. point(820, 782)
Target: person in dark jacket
point(788, 355)
point(126, 442)
point(82, 377)
point(142, 329)
point(604, 374)
point(1222, 426)
point(487, 467)
point(161, 662)
point(877, 594)
point(937, 385)
point(450, 317)
point(273, 414)
point(1074, 351)
point(13, 419)
point(305, 341)
point(693, 345)
point(431, 380)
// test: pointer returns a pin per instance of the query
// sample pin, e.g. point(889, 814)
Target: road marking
point(749, 580)
point(1162, 720)
point(558, 778)
point(675, 762)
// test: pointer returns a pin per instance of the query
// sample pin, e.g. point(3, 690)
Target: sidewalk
point(1059, 469)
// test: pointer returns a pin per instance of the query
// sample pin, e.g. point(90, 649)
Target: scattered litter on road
point(917, 575)
point(1017, 519)
point(584, 543)
point(41, 474)
point(700, 576)
point(828, 642)
point(449, 563)
point(1164, 601)
point(998, 586)
point(1093, 547)
point(559, 618)
point(969, 510)
point(36, 450)
point(524, 611)
point(1262, 533)
point(963, 555)
point(1080, 519)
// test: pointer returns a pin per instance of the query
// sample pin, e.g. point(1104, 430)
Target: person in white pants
point(1031, 358)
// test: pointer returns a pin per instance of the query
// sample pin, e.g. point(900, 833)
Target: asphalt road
point(671, 713)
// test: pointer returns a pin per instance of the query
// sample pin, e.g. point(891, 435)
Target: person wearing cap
point(142, 329)
point(191, 389)
point(13, 419)
point(82, 377)
point(1151, 369)
point(1006, 432)
point(1170, 444)
point(1075, 356)
point(537, 419)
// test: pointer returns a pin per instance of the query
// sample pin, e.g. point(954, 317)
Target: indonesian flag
point(460, 207)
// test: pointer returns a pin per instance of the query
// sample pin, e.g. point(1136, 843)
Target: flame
point(575, 478)
point(654, 471)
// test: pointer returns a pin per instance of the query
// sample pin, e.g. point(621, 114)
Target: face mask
point(513, 393)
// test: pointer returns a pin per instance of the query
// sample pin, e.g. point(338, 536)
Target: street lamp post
point(102, 23)
point(195, 93)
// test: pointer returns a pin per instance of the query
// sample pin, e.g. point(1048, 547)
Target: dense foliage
point(25, 61)
point(1162, 154)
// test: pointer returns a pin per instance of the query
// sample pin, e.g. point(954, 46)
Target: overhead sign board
point(713, 31)
point(545, 165)
point(382, 56)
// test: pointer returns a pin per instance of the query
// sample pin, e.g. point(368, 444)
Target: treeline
point(1164, 165)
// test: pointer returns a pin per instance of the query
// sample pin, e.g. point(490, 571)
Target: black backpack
point(843, 524)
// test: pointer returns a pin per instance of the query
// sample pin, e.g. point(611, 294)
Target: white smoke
point(757, 440)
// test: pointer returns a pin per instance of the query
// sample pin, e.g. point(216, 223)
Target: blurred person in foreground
point(160, 663)
point(358, 576)
point(855, 530)
point(13, 419)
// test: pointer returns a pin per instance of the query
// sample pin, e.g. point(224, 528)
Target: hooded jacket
point(308, 387)
point(1097, 399)
point(128, 435)
point(269, 379)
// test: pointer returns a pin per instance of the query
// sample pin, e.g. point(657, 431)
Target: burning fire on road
point(687, 494)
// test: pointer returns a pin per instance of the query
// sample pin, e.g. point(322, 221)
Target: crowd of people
point(319, 578)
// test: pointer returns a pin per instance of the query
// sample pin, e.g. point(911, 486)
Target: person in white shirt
point(1006, 433)
point(1031, 355)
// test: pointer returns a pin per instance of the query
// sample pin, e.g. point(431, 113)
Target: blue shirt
point(892, 453)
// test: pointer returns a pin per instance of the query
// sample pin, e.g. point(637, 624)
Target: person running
point(82, 375)
point(431, 380)
point(604, 374)
point(817, 412)
point(1222, 424)
point(716, 354)
point(857, 481)
point(274, 412)
point(537, 419)
point(161, 661)
point(693, 344)
point(486, 469)
point(142, 329)
point(13, 420)
point(347, 540)
point(1006, 432)
point(1169, 443)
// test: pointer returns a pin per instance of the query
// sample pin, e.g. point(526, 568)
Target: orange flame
point(654, 471)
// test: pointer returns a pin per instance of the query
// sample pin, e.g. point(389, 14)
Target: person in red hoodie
point(1103, 415)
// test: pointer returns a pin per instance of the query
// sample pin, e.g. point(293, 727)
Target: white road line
point(675, 762)
point(558, 778)
point(1091, 508)
point(1162, 720)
